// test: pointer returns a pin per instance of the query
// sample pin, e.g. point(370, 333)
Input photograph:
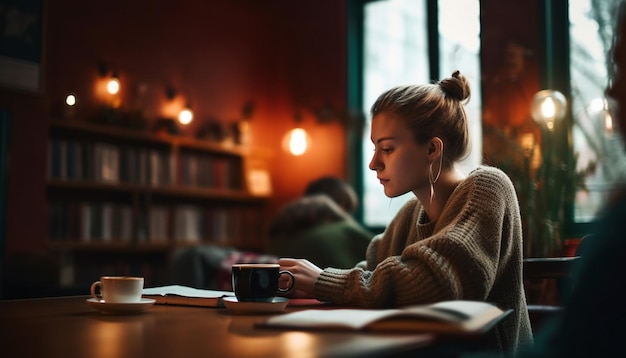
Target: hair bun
point(456, 86)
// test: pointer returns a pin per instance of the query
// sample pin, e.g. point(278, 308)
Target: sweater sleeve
point(458, 259)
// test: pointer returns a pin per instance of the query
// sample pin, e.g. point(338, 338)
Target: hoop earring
point(434, 179)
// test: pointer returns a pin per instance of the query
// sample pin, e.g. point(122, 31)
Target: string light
point(185, 116)
point(548, 106)
point(113, 86)
point(70, 100)
point(296, 141)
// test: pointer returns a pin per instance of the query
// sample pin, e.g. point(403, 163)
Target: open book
point(453, 317)
point(186, 296)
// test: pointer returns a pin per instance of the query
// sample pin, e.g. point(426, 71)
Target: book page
point(450, 311)
point(443, 317)
point(466, 309)
point(452, 316)
point(335, 318)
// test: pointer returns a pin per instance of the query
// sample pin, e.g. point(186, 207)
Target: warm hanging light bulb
point(185, 116)
point(296, 141)
point(70, 104)
point(113, 86)
point(70, 100)
point(548, 106)
point(547, 110)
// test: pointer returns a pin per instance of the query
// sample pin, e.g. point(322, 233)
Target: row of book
point(110, 222)
point(92, 222)
point(219, 225)
point(197, 170)
point(112, 163)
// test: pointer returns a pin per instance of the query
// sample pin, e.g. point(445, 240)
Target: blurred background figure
point(340, 191)
point(319, 226)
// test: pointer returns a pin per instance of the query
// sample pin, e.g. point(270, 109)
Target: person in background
point(459, 238)
point(339, 190)
point(319, 226)
point(592, 323)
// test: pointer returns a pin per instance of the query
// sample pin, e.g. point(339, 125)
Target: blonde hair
point(432, 110)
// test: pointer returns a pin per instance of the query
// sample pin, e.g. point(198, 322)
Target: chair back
point(546, 282)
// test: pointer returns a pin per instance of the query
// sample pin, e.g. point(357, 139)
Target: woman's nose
point(374, 163)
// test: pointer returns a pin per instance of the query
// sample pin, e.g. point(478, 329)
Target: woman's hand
point(305, 274)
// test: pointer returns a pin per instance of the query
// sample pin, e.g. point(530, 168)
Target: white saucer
point(278, 304)
point(118, 307)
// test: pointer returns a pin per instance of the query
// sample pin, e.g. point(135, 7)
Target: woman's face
point(401, 164)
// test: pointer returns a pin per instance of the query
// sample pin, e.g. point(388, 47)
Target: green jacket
point(340, 244)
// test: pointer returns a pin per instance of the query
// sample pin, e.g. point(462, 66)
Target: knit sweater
point(472, 252)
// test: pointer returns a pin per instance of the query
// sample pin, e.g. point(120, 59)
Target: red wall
point(217, 54)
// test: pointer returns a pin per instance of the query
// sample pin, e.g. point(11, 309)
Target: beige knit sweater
point(473, 252)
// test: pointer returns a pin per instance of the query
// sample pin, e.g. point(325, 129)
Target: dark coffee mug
point(258, 282)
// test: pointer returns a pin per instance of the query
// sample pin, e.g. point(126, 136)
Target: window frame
point(355, 53)
point(555, 51)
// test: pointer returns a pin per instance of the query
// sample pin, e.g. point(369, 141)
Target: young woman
point(461, 238)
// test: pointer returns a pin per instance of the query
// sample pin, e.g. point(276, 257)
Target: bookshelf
point(121, 200)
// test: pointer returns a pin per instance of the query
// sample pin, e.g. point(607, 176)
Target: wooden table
point(68, 327)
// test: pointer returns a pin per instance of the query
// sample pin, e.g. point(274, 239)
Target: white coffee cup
point(118, 289)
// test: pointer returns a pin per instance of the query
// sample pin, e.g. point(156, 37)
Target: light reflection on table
point(68, 327)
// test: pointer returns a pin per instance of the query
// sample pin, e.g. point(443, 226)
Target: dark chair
point(547, 281)
point(33, 275)
point(198, 266)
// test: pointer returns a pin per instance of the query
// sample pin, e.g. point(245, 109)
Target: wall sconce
point(69, 107)
point(548, 106)
point(297, 141)
point(113, 86)
point(185, 115)
point(70, 100)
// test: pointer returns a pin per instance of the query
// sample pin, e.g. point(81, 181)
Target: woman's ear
point(435, 148)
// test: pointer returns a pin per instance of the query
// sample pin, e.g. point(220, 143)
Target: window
point(396, 51)
point(591, 36)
